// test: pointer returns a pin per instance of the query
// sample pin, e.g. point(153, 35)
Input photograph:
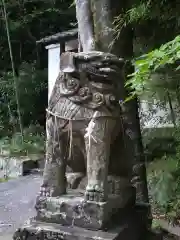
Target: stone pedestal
point(72, 210)
point(72, 217)
point(131, 227)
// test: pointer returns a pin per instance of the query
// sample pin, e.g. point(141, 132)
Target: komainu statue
point(87, 191)
point(85, 135)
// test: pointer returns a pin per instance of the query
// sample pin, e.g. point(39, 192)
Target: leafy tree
point(32, 86)
point(154, 61)
point(30, 20)
point(157, 75)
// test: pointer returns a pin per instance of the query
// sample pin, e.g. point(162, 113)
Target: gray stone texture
point(130, 227)
point(72, 209)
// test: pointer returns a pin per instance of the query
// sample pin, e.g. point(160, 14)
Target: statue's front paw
point(94, 193)
point(47, 191)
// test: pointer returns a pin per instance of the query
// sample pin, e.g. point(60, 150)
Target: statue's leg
point(98, 152)
point(54, 180)
point(77, 160)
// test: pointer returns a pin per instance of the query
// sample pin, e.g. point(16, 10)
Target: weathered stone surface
point(83, 126)
point(83, 133)
point(11, 166)
point(71, 209)
point(131, 227)
point(45, 231)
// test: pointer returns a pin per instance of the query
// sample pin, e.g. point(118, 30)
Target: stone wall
point(155, 114)
point(13, 167)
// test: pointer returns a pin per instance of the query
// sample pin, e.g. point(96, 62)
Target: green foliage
point(151, 62)
point(4, 179)
point(164, 183)
point(156, 224)
point(142, 10)
point(30, 21)
point(34, 143)
point(158, 142)
point(133, 15)
point(32, 83)
point(154, 22)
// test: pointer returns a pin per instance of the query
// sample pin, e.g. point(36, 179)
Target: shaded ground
point(17, 199)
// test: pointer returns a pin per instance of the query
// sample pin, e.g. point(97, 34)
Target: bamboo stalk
point(13, 70)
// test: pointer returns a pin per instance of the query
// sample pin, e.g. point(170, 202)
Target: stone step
point(50, 231)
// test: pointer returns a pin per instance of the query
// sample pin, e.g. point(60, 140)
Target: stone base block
point(132, 228)
point(71, 209)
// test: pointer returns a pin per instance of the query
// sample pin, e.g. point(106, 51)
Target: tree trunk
point(98, 29)
point(172, 113)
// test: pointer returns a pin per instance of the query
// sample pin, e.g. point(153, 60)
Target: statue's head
point(94, 64)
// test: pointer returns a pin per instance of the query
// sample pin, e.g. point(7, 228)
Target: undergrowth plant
point(164, 184)
point(34, 143)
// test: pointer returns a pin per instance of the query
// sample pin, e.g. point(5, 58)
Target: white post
point(54, 51)
point(53, 65)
